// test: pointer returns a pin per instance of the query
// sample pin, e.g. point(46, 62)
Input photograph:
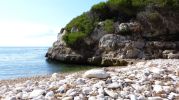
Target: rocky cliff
point(150, 32)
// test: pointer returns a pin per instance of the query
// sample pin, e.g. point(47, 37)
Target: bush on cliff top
point(109, 26)
point(85, 26)
point(101, 11)
point(71, 38)
point(82, 22)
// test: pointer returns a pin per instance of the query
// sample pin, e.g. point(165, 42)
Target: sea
point(18, 62)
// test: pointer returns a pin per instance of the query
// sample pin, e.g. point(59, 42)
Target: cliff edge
point(114, 32)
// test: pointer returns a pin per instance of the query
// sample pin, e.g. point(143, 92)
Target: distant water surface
point(18, 62)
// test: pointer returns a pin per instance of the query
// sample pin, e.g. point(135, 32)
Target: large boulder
point(112, 41)
point(96, 73)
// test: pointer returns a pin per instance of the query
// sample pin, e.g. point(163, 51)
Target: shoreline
point(46, 76)
point(41, 77)
point(145, 80)
point(34, 78)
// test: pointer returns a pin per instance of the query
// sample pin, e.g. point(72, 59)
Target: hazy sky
point(37, 22)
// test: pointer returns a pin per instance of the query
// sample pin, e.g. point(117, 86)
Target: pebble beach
point(145, 80)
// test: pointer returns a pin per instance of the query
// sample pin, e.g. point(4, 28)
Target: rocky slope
point(152, 33)
point(147, 80)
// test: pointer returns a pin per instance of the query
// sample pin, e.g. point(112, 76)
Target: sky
point(37, 22)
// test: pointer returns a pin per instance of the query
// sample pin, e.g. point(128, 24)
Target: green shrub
point(154, 17)
point(122, 6)
point(115, 4)
point(85, 26)
point(109, 26)
point(101, 11)
point(139, 4)
point(100, 7)
point(82, 22)
point(72, 38)
point(160, 3)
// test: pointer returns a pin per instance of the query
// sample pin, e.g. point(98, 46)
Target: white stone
point(80, 81)
point(100, 91)
point(157, 88)
point(155, 98)
point(80, 97)
point(136, 87)
point(62, 88)
point(86, 90)
point(172, 95)
point(100, 97)
point(167, 89)
point(123, 93)
point(71, 92)
point(111, 93)
point(96, 73)
point(25, 95)
point(92, 98)
point(35, 93)
point(176, 78)
point(28, 83)
point(19, 89)
point(133, 97)
point(147, 93)
point(128, 80)
point(54, 77)
point(77, 98)
point(114, 78)
point(50, 94)
point(10, 98)
point(114, 85)
point(158, 82)
point(53, 84)
point(67, 98)
point(19, 95)
point(40, 97)
point(156, 70)
point(99, 84)
point(141, 97)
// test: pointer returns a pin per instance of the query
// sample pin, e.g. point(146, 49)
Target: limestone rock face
point(111, 42)
point(158, 24)
point(152, 34)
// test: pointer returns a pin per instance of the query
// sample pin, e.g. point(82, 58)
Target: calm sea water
point(18, 62)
